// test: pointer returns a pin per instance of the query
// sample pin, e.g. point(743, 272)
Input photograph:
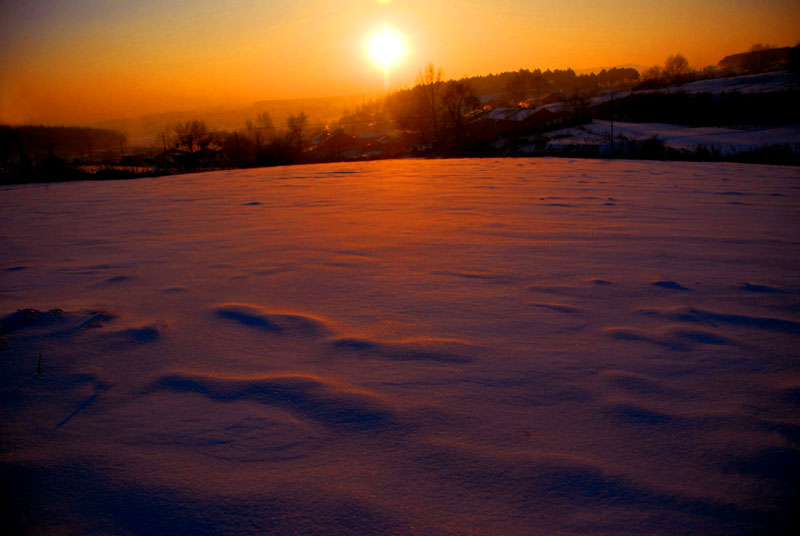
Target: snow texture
point(525, 346)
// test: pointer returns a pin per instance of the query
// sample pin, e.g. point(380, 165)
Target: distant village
point(521, 113)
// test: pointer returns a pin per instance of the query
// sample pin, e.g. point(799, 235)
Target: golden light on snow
point(386, 48)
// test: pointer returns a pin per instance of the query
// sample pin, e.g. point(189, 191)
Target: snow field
point(522, 346)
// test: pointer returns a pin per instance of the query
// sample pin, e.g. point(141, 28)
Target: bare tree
point(265, 125)
point(653, 73)
point(676, 67)
point(166, 137)
point(428, 87)
point(260, 131)
point(458, 98)
point(193, 133)
point(252, 134)
point(296, 125)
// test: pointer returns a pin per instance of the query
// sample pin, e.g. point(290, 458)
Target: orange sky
point(78, 61)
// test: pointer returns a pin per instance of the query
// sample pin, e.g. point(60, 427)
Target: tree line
point(36, 142)
point(259, 142)
point(37, 152)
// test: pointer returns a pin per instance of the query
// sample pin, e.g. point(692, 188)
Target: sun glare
point(386, 48)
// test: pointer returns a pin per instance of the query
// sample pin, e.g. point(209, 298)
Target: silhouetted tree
point(517, 87)
point(193, 133)
point(67, 143)
point(165, 137)
point(524, 86)
point(653, 73)
point(458, 98)
point(676, 68)
point(539, 87)
point(562, 81)
point(252, 135)
point(759, 59)
point(710, 71)
point(369, 117)
point(617, 76)
point(405, 108)
point(260, 131)
point(428, 89)
point(265, 125)
point(296, 124)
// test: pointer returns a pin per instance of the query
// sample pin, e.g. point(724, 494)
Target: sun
point(386, 48)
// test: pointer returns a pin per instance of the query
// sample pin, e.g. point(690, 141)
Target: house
point(206, 158)
point(336, 146)
point(501, 121)
point(172, 159)
point(389, 143)
point(319, 138)
point(553, 98)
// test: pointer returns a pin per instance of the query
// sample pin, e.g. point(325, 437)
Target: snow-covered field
point(748, 83)
point(530, 346)
point(727, 141)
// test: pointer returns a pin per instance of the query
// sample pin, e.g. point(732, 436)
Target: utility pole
point(612, 124)
point(238, 154)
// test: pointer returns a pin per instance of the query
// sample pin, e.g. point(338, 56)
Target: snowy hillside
point(751, 83)
point(726, 141)
point(525, 346)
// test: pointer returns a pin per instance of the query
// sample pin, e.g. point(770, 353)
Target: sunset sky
point(78, 61)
